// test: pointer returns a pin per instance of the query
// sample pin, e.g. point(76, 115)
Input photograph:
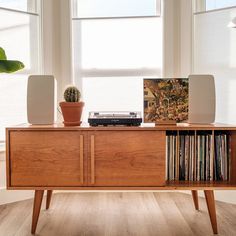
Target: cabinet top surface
point(86, 127)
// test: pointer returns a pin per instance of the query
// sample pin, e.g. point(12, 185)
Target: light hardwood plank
point(116, 214)
point(173, 216)
point(198, 221)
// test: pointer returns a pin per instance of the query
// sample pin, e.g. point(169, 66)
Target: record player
point(114, 118)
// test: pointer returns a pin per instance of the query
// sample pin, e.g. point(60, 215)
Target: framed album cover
point(165, 100)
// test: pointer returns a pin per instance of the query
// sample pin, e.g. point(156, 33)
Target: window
point(19, 36)
point(208, 5)
point(215, 53)
point(116, 8)
point(114, 50)
point(20, 5)
point(216, 4)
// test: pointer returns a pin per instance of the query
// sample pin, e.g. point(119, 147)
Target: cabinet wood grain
point(46, 158)
point(127, 158)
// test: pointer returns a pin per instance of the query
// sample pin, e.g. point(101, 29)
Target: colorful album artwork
point(165, 100)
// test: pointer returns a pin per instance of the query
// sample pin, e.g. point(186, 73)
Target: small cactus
point(72, 94)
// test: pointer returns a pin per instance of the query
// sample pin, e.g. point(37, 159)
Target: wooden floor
point(121, 214)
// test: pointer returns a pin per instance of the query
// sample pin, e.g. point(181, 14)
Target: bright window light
point(113, 51)
point(112, 94)
point(115, 8)
point(120, 43)
point(20, 5)
point(217, 4)
point(19, 37)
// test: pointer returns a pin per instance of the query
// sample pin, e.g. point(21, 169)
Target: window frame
point(30, 5)
point(79, 73)
point(38, 67)
point(74, 7)
point(37, 5)
point(200, 7)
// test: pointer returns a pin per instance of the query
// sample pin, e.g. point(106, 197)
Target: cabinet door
point(46, 158)
point(127, 158)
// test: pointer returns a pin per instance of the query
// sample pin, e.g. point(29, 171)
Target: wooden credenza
point(100, 158)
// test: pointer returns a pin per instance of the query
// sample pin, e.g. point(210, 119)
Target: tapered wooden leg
point(49, 197)
point(38, 197)
point(210, 200)
point(195, 199)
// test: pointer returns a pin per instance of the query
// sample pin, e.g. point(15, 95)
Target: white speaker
point(41, 99)
point(202, 101)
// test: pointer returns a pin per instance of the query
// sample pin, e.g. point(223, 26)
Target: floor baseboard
point(9, 196)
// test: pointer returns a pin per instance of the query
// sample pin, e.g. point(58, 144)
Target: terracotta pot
point(72, 112)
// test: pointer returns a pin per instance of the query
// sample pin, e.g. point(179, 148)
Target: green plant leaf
point(7, 66)
point(2, 54)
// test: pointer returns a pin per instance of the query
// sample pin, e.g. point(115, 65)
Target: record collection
point(198, 157)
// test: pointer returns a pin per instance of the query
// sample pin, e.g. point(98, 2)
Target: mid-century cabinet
point(126, 158)
point(101, 158)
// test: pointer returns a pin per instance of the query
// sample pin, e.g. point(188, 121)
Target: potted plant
point(9, 66)
point(72, 107)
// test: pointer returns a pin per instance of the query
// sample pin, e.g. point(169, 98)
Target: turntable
point(115, 118)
